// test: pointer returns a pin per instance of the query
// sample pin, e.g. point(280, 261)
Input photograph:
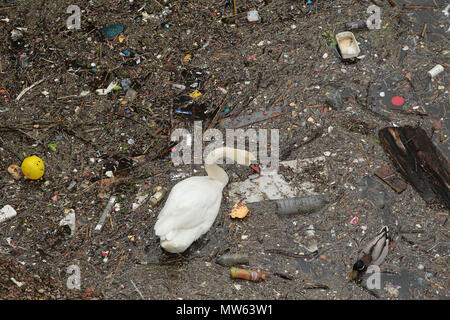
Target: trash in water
point(300, 205)
point(347, 45)
point(177, 86)
point(7, 212)
point(33, 167)
point(15, 171)
point(334, 99)
point(253, 16)
point(69, 220)
point(246, 274)
point(197, 111)
point(398, 101)
point(16, 35)
point(140, 199)
point(355, 25)
point(354, 220)
point(232, 259)
point(239, 210)
point(113, 31)
point(195, 94)
point(125, 84)
point(105, 213)
point(130, 95)
point(391, 178)
point(310, 241)
point(157, 196)
point(103, 92)
point(71, 185)
point(437, 69)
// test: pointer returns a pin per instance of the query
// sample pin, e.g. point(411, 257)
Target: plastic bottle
point(300, 205)
point(247, 274)
point(232, 259)
point(310, 242)
point(436, 70)
point(355, 25)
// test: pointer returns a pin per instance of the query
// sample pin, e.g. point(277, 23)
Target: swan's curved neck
point(217, 173)
point(214, 171)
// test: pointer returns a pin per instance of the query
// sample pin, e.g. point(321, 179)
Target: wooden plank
point(419, 161)
point(391, 178)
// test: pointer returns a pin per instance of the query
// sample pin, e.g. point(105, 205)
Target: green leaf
point(52, 146)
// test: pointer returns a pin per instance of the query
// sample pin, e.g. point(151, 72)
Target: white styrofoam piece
point(7, 212)
point(272, 186)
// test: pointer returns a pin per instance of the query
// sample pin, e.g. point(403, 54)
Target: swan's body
point(193, 204)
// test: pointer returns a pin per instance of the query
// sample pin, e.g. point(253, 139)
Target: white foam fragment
point(7, 212)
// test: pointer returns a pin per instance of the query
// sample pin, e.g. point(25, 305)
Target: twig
point(315, 286)
point(415, 6)
point(289, 254)
point(159, 4)
point(218, 111)
point(29, 136)
point(105, 213)
point(27, 89)
point(260, 120)
point(424, 30)
point(392, 3)
point(137, 290)
point(117, 267)
point(315, 106)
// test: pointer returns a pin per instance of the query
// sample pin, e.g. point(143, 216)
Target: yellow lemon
point(33, 167)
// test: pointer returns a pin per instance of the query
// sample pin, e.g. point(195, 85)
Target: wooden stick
point(28, 89)
point(315, 106)
point(260, 120)
point(415, 6)
point(105, 213)
point(392, 3)
point(424, 30)
point(218, 111)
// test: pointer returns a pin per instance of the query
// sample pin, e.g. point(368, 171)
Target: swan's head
point(249, 158)
point(242, 157)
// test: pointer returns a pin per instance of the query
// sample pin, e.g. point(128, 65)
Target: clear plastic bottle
point(232, 259)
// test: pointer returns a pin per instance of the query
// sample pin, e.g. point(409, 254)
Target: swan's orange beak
point(255, 168)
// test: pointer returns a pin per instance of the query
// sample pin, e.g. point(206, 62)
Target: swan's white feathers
point(192, 204)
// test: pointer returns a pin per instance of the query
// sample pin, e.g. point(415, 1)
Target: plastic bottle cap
point(398, 101)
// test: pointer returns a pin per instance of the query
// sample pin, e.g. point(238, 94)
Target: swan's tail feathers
point(177, 241)
point(169, 236)
point(163, 228)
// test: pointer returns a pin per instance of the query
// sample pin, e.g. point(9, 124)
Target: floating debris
point(300, 205)
point(239, 210)
point(233, 259)
point(247, 274)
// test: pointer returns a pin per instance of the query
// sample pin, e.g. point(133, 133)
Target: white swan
point(193, 204)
